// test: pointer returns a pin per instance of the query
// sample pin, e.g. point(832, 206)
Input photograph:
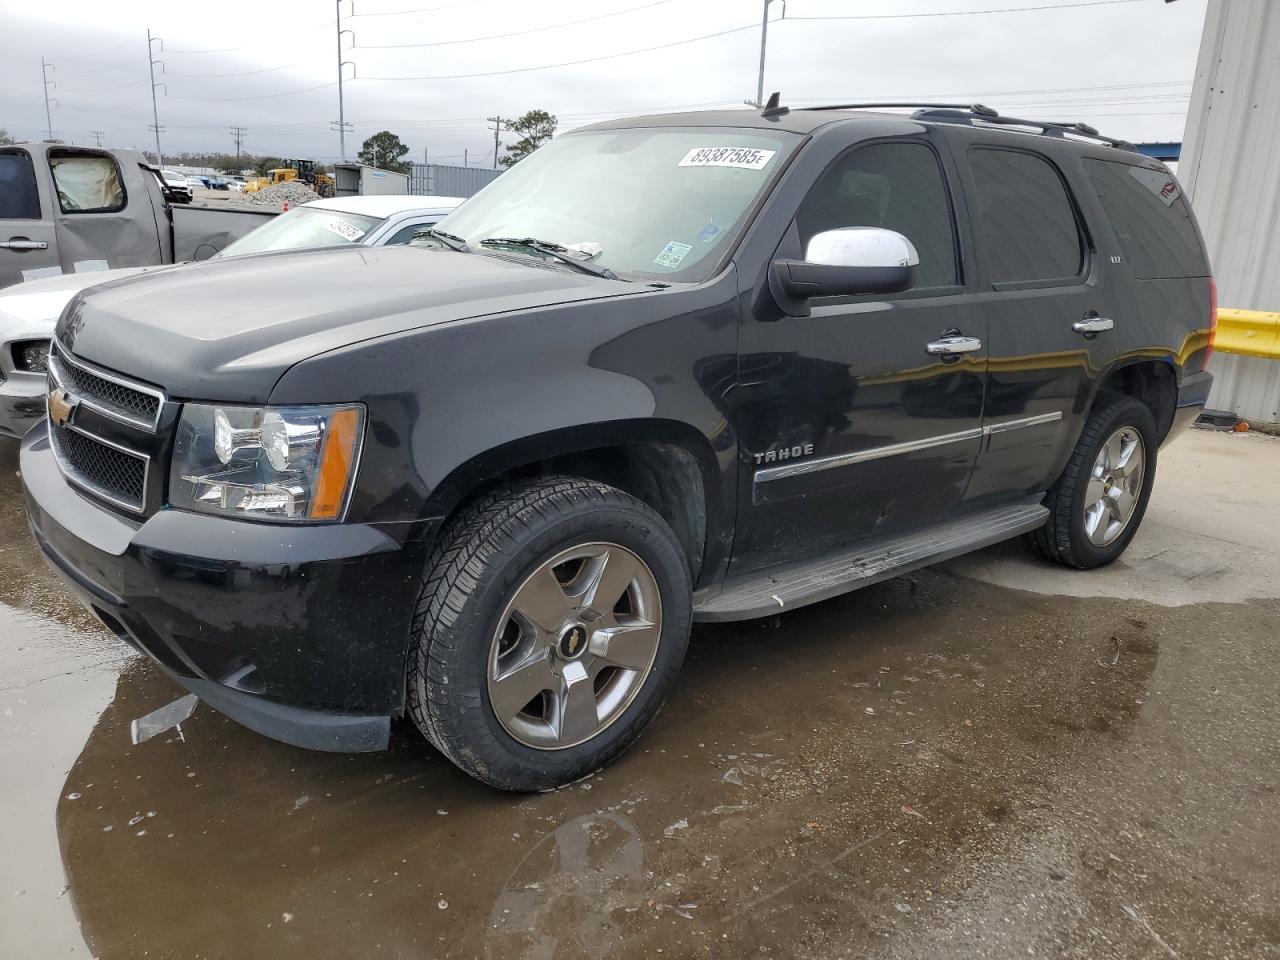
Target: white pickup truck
point(74, 209)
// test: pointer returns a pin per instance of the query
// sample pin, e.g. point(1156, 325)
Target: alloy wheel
point(574, 645)
point(1115, 483)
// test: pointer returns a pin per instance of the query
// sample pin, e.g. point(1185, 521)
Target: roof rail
point(976, 109)
point(1048, 128)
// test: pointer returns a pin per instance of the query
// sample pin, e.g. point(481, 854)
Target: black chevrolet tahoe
point(706, 366)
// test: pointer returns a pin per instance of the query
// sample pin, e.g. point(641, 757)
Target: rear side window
point(87, 183)
point(897, 186)
point(1028, 224)
point(406, 233)
point(1151, 219)
point(18, 197)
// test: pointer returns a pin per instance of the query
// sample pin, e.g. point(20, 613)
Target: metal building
point(1230, 168)
point(441, 180)
point(361, 180)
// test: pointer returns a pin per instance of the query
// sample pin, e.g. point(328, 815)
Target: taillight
point(1213, 322)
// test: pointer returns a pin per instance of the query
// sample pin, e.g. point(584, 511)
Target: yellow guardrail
point(1251, 333)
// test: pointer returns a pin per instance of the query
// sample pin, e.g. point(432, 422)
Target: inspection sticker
point(347, 231)
point(672, 254)
point(743, 158)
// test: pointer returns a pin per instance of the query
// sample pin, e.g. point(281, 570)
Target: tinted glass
point(1151, 218)
point(897, 186)
point(406, 233)
point(87, 183)
point(18, 199)
point(1027, 224)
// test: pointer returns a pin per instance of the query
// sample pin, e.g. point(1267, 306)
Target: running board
point(794, 585)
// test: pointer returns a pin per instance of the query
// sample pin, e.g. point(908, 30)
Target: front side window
point(18, 197)
point(303, 228)
point(662, 203)
point(406, 233)
point(897, 186)
point(1027, 224)
point(1151, 219)
point(86, 183)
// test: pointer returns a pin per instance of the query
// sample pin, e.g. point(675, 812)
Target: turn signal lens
point(336, 460)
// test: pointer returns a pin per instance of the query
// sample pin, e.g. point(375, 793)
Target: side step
point(794, 585)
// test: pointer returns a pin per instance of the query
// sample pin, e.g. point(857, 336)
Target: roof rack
point(973, 108)
point(1048, 128)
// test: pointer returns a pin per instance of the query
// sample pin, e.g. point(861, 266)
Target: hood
point(37, 304)
point(228, 329)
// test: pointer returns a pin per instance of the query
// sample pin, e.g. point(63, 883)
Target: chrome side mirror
point(844, 263)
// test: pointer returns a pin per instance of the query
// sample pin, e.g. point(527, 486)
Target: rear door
point(1041, 280)
point(27, 242)
point(104, 217)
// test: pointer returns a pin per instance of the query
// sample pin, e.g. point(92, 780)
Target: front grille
point(115, 397)
point(106, 432)
point(112, 473)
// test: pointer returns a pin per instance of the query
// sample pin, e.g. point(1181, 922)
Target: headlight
point(31, 355)
point(272, 463)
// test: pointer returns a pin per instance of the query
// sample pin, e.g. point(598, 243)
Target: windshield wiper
point(448, 239)
point(552, 250)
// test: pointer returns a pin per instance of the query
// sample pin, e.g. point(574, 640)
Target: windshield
point(301, 228)
point(663, 203)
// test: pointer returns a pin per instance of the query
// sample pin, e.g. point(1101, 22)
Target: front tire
point(554, 617)
point(1098, 503)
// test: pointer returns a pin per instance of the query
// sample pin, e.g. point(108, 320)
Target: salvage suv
point(705, 366)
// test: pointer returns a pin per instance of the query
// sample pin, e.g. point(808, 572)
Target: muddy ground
point(995, 758)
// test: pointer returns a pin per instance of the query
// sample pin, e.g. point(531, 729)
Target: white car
point(29, 311)
point(177, 183)
point(195, 183)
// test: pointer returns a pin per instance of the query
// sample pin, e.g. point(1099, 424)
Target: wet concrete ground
point(994, 758)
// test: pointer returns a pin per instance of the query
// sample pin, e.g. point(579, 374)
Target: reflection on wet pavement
point(931, 767)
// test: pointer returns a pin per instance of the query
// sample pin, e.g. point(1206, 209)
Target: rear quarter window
point(18, 197)
point(1151, 219)
point(87, 183)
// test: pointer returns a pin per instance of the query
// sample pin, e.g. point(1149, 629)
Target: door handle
point(1091, 326)
point(23, 244)
point(950, 346)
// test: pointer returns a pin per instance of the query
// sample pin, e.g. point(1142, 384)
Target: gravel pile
point(293, 193)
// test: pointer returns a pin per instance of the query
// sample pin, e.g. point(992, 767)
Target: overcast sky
point(1123, 65)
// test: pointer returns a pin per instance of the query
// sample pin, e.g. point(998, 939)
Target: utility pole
point(426, 157)
point(341, 124)
point(237, 134)
point(764, 42)
point(44, 75)
point(98, 135)
point(497, 126)
point(152, 63)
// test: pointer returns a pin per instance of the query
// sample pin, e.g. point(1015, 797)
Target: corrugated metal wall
point(1230, 167)
point(439, 180)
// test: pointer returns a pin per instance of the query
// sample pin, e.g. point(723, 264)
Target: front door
point(849, 427)
point(26, 228)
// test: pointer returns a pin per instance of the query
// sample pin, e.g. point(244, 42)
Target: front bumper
point(1192, 396)
point(22, 397)
point(299, 633)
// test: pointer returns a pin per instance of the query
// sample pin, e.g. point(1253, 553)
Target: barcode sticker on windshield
point(742, 158)
point(347, 231)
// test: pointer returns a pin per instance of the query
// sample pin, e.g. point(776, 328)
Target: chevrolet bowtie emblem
point(61, 407)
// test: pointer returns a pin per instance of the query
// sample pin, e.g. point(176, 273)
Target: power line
point(575, 63)
point(965, 13)
point(260, 96)
point(127, 63)
point(517, 33)
point(403, 13)
point(236, 73)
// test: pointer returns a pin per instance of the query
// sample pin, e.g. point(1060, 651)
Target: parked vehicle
point(703, 366)
point(29, 311)
point(179, 184)
point(69, 209)
point(196, 182)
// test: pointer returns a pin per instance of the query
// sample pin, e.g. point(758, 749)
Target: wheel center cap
point(573, 642)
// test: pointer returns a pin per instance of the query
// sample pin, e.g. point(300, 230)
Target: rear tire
point(1098, 502)
point(515, 675)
